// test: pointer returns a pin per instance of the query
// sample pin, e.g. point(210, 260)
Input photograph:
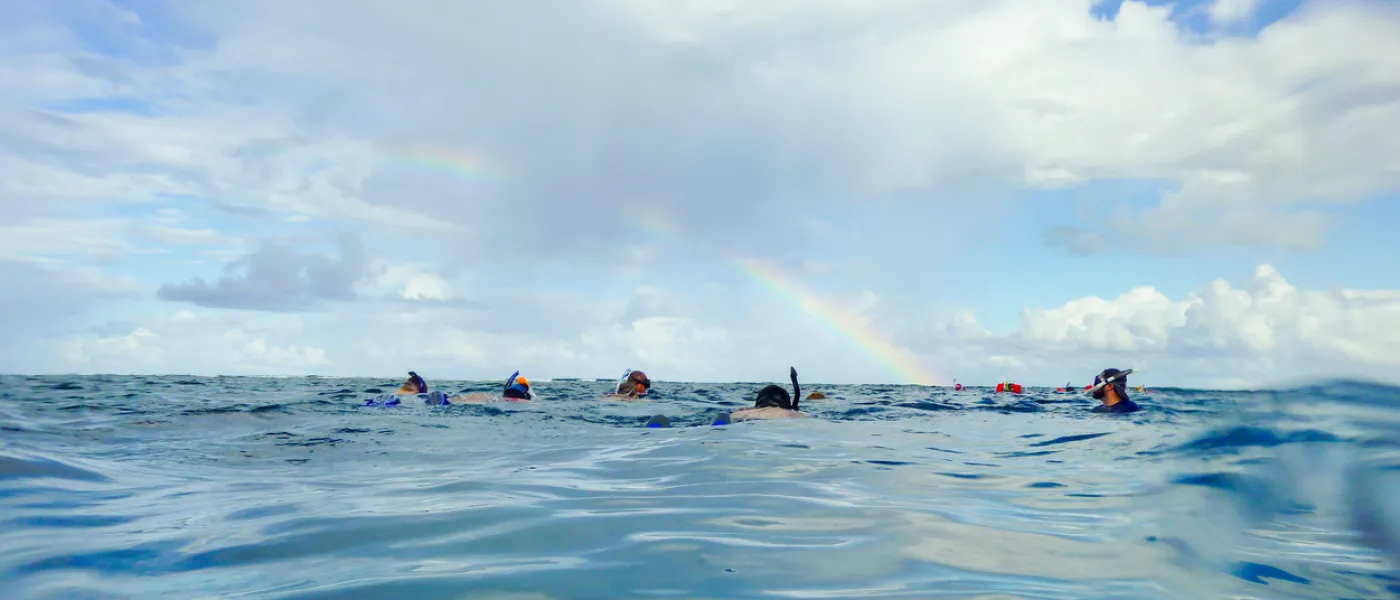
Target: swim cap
point(522, 381)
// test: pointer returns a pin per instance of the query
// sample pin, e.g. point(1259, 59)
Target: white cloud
point(511, 146)
point(1233, 11)
point(701, 100)
point(93, 240)
point(180, 236)
point(1137, 321)
point(138, 351)
point(425, 287)
point(186, 348)
point(1265, 331)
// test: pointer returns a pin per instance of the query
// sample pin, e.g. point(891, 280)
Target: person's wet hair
point(774, 395)
point(626, 388)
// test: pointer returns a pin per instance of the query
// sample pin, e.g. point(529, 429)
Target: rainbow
point(899, 362)
point(459, 161)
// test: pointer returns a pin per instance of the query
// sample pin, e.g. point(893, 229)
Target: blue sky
point(1024, 189)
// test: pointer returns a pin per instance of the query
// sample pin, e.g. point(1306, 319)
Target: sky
point(900, 191)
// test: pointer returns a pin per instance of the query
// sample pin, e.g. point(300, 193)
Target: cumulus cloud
point(1264, 331)
point(1259, 332)
point(278, 277)
point(414, 284)
point(194, 343)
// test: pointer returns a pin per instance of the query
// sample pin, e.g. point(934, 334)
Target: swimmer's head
point(1118, 388)
point(641, 380)
point(415, 383)
point(773, 396)
point(523, 381)
point(627, 388)
point(778, 397)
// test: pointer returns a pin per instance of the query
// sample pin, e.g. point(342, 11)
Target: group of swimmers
point(772, 402)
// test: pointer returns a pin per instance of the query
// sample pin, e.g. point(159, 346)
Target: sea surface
point(187, 487)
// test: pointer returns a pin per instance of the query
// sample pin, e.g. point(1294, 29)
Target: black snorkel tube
point(796, 391)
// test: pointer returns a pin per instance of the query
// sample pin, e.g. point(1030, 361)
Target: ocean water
point(182, 487)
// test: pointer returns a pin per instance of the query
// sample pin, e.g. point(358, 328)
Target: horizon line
point(570, 379)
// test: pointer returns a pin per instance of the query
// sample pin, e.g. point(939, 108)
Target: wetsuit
point(1123, 406)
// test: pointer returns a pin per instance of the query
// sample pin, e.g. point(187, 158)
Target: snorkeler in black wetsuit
point(1113, 392)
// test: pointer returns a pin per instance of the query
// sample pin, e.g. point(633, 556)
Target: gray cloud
point(278, 277)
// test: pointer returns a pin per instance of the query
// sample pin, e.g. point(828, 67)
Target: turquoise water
point(179, 487)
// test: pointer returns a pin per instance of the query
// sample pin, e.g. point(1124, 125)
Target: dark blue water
point(179, 487)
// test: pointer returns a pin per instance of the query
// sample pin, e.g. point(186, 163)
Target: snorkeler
point(1111, 387)
point(632, 387)
point(518, 389)
point(640, 382)
point(414, 385)
point(772, 402)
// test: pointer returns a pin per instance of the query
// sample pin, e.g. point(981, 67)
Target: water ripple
point(128, 487)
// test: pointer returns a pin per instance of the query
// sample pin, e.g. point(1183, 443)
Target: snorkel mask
point(1114, 377)
point(774, 396)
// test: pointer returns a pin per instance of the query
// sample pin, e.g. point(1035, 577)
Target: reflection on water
point(138, 487)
